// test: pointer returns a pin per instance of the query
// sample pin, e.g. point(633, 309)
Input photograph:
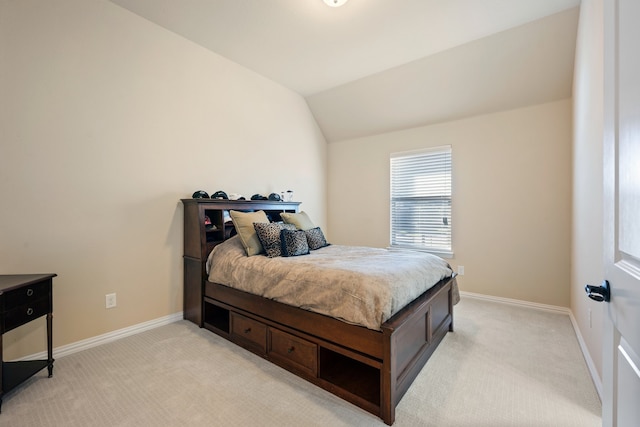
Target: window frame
point(441, 191)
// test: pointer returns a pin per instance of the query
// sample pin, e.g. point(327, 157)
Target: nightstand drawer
point(294, 352)
point(249, 331)
point(25, 313)
point(26, 294)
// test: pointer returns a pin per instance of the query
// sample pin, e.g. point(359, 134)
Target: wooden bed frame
point(371, 369)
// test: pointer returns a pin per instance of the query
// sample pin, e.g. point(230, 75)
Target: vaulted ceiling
point(374, 66)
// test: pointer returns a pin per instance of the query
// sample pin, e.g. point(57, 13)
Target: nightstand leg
point(50, 343)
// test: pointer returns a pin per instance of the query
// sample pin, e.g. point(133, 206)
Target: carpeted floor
point(503, 366)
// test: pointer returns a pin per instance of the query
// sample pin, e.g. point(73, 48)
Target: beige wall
point(107, 121)
point(587, 244)
point(511, 197)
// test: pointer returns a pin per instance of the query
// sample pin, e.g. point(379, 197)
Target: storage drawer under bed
point(250, 332)
point(294, 352)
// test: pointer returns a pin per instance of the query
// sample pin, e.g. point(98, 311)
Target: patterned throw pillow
point(315, 238)
point(294, 243)
point(269, 235)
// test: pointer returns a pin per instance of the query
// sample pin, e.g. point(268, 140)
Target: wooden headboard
point(201, 238)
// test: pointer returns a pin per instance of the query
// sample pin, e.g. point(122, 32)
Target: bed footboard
point(411, 337)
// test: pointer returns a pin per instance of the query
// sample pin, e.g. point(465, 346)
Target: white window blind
point(421, 200)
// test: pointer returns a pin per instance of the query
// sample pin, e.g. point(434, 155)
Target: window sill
point(441, 254)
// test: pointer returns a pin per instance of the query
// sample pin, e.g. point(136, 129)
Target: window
point(421, 200)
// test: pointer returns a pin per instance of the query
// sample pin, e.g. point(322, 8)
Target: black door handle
point(599, 293)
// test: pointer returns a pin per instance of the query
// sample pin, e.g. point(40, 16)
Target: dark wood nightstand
point(23, 298)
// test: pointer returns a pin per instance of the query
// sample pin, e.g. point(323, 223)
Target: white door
point(621, 360)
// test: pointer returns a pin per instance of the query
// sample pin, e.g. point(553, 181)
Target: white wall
point(511, 197)
point(587, 244)
point(107, 121)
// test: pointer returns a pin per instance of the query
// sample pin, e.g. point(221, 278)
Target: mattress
point(359, 285)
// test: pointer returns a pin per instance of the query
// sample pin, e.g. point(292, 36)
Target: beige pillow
point(300, 220)
point(243, 221)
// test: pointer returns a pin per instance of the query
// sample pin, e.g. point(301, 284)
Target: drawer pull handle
point(29, 292)
point(246, 331)
point(29, 311)
point(291, 349)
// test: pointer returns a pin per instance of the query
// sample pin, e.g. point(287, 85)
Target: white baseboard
point(510, 301)
point(597, 382)
point(75, 347)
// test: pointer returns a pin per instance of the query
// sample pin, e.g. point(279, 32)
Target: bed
point(367, 357)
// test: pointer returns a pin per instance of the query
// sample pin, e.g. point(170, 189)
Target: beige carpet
point(504, 366)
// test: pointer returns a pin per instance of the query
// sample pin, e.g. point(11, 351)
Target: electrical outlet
point(461, 270)
point(110, 300)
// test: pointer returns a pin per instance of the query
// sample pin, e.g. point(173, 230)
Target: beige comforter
point(359, 285)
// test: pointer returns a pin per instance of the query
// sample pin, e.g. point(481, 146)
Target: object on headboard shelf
point(286, 196)
point(200, 194)
point(208, 225)
point(220, 195)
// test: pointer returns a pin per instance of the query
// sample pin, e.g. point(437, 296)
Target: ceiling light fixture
point(335, 3)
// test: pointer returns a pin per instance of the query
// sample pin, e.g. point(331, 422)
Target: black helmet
point(200, 194)
point(274, 196)
point(220, 195)
point(258, 197)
